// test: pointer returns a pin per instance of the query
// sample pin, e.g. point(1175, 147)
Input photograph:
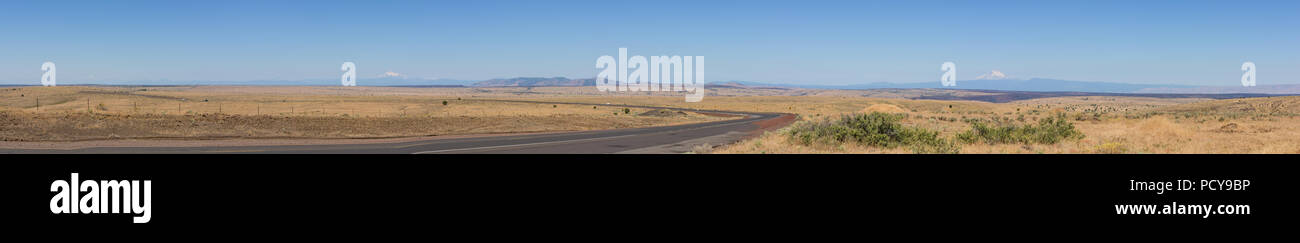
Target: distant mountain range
point(1035, 85)
point(533, 82)
point(1030, 85)
point(378, 81)
point(1276, 89)
point(1048, 85)
point(397, 81)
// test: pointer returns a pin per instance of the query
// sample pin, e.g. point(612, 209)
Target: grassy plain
point(1107, 124)
point(225, 112)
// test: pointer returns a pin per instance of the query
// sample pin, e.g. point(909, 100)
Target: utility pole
point(88, 105)
point(38, 104)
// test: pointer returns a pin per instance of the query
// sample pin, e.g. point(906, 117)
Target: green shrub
point(1111, 148)
point(875, 129)
point(1049, 130)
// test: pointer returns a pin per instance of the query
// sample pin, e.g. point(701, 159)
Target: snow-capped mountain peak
point(992, 75)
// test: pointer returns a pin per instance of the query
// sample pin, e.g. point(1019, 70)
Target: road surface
point(666, 139)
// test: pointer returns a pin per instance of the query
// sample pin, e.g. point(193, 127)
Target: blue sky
point(804, 42)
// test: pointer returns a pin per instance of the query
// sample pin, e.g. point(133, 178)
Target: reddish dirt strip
point(773, 124)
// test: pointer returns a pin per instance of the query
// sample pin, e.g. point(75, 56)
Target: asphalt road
point(666, 139)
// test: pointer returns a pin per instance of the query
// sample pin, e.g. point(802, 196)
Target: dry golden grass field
point(1107, 124)
point(219, 112)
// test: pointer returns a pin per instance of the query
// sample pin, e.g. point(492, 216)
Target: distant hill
point(1042, 85)
point(1002, 96)
point(1021, 85)
point(1262, 89)
point(410, 82)
point(534, 82)
point(379, 81)
point(743, 85)
point(1035, 85)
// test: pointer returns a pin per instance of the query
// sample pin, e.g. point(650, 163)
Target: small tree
point(627, 111)
point(444, 102)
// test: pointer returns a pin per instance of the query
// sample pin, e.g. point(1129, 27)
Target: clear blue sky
point(809, 42)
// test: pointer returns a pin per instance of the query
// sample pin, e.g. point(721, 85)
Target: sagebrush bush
point(1050, 130)
point(874, 129)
